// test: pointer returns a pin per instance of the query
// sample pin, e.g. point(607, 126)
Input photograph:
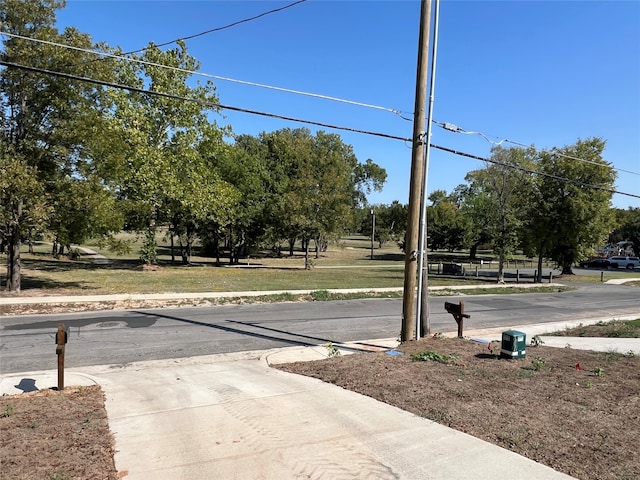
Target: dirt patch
point(54, 435)
point(575, 411)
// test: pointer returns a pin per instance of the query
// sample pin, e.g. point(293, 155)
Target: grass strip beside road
point(72, 278)
point(612, 329)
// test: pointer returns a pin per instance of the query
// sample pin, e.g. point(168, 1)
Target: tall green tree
point(84, 209)
point(445, 221)
point(301, 186)
point(391, 222)
point(627, 227)
point(22, 205)
point(44, 119)
point(571, 212)
point(503, 190)
point(474, 208)
point(326, 184)
point(156, 162)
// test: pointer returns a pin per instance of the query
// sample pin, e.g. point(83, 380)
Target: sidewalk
point(232, 416)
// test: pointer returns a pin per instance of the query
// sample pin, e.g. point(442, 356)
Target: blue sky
point(541, 73)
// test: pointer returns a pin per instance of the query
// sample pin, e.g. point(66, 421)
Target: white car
point(624, 262)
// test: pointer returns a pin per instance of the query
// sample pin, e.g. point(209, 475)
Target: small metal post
point(550, 277)
point(517, 275)
point(476, 271)
point(602, 276)
point(373, 230)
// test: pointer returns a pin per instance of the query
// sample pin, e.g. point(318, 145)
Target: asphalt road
point(27, 343)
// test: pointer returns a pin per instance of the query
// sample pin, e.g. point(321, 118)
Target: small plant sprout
point(598, 372)
point(536, 341)
point(332, 351)
point(433, 356)
point(538, 363)
point(7, 412)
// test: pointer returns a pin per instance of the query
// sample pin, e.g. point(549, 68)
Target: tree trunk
point(474, 251)
point(292, 243)
point(183, 251)
point(500, 271)
point(216, 246)
point(538, 278)
point(317, 242)
point(30, 241)
point(307, 263)
point(13, 260)
point(173, 255)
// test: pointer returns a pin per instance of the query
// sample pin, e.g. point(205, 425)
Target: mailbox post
point(458, 313)
point(61, 341)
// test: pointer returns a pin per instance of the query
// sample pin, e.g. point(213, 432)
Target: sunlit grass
point(347, 264)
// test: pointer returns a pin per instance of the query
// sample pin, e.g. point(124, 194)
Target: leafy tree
point(628, 227)
point(475, 212)
point(22, 204)
point(445, 222)
point(156, 163)
point(301, 186)
point(84, 209)
point(44, 119)
point(327, 187)
point(503, 191)
point(569, 218)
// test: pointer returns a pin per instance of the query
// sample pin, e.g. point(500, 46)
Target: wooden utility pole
point(415, 186)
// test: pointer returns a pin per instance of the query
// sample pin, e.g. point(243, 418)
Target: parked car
point(624, 262)
point(596, 263)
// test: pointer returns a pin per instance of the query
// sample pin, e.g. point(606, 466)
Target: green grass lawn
point(345, 265)
point(611, 329)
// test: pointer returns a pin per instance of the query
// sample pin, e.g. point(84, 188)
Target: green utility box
point(514, 344)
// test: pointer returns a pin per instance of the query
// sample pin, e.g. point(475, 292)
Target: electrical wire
point(456, 129)
point(310, 122)
point(535, 172)
point(194, 100)
point(208, 75)
point(217, 29)
point(554, 151)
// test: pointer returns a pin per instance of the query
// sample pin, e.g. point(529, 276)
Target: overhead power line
point(456, 129)
point(535, 172)
point(554, 151)
point(299, 120)
point(217, 29)
point(194, 100)
point(208, 75)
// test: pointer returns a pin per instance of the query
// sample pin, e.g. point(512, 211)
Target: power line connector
point(451, 127)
